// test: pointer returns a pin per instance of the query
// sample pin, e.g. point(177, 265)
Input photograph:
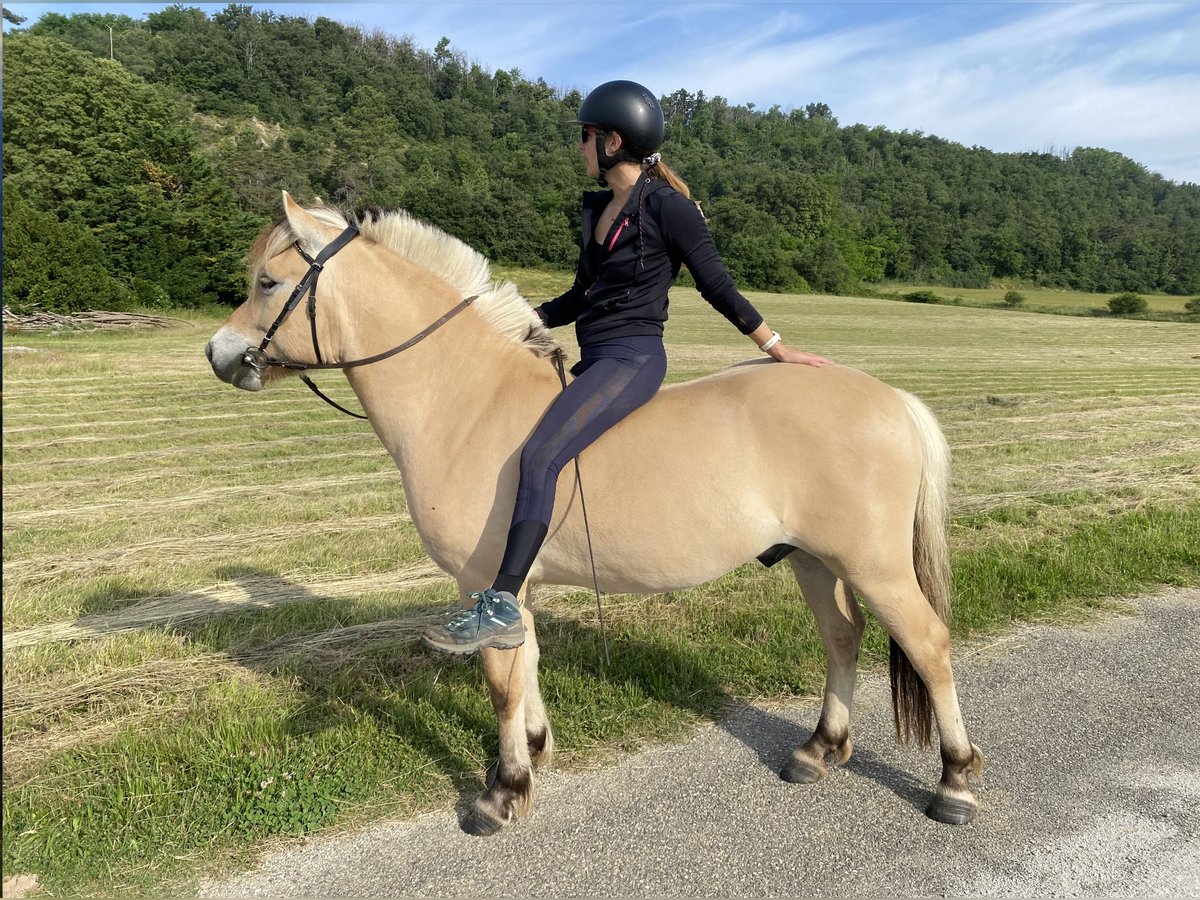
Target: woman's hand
point(769, 343)
point(787, 354)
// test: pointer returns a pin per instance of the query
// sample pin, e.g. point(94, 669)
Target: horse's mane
point(499, 303)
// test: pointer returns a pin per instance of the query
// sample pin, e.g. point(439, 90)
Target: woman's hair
point(661, 170)
point(658, 170)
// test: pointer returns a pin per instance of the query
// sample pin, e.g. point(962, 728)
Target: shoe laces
point(485, 602)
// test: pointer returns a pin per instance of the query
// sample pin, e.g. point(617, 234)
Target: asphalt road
point(1092, 788)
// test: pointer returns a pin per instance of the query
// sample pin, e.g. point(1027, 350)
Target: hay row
point(177, 436)
point(176, 451)
point(142, 506)
point(1177, 486)
point(38, 397)
point(87, 710)
point(1036, 437)
point(91, 320)
point(192, 472)
point(250, 593)
point(50, 567)
point(1107, 417)
point(122, 425)
point(166, 675)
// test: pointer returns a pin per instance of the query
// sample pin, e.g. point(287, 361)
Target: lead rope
point(562, 377)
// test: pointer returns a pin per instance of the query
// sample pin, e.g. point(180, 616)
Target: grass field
point(211, 597)
point(1046, 300)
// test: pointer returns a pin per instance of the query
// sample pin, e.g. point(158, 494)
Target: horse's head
point(428, 277)
point(285, 263)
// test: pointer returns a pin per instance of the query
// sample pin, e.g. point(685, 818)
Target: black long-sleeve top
point(621, 285)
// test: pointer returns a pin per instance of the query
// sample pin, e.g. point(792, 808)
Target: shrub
point(1013, 298)
point(1127, 304)
point(1193, 306)
point(922, 297)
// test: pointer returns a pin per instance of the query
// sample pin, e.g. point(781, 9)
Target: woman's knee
point(537, 462)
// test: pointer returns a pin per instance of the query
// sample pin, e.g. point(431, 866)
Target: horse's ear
point(304, 225)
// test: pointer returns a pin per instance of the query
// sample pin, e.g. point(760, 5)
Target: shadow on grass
point(437, 707)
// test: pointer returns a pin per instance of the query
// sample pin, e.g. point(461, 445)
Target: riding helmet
point(629, 109)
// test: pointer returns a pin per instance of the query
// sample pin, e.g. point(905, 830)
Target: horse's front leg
point(509, 795)
point(537, 723)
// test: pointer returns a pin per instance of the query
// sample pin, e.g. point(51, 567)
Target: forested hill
point(145, 176)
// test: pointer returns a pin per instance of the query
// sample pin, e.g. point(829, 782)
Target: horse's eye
point(266, 282)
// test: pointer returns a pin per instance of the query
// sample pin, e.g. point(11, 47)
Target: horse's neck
point(455, 407)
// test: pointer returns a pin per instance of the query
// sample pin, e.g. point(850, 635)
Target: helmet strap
point(606, 162)
point(603, 160)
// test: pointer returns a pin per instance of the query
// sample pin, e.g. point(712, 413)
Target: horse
point(843, 476)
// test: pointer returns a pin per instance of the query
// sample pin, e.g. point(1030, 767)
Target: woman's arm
point(687, 234)
point(687, 238)
point(566, 308)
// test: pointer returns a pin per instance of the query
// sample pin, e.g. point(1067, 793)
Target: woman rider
point(635, 237)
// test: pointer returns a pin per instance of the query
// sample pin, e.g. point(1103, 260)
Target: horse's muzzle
point(234, 362)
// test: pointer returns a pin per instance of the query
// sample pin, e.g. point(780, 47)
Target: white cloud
point(1007, 76)
point(1122, 77)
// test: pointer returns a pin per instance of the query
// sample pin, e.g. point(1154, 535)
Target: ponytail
point(662, 171)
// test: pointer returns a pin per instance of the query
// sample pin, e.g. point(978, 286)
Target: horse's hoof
point(951, 810)
point(479, 823)
point(801, 770)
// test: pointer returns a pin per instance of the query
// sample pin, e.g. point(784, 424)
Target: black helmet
point(628, 109)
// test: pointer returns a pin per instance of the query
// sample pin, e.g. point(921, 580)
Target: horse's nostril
point(208, 351)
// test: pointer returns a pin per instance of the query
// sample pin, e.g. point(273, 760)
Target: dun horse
point(840, 474)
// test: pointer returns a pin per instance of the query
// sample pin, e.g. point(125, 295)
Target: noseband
point(258, 359)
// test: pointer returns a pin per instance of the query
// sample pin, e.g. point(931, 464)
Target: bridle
point(258, 359)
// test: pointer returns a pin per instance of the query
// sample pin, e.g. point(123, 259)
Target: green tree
point(101, 150)
point(55, 266)
point(1013, 299)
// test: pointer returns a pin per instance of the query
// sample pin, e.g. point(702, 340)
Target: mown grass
point(211, 598)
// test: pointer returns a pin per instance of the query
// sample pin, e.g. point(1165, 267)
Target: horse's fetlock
point(976, 767)
point(842, 752)
point(830, 745)
point(509, 796)
point(541, 747)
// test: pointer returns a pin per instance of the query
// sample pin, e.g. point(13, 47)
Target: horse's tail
point(911, 708)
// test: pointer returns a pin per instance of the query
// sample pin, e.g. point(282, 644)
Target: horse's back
point(838, 402)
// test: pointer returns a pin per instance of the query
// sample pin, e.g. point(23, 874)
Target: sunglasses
point(586, 133)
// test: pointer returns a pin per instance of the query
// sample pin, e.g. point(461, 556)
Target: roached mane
point(499, 303)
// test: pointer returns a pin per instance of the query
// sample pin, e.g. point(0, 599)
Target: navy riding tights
point(612, 379)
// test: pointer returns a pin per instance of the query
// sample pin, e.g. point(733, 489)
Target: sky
point(1008, 76)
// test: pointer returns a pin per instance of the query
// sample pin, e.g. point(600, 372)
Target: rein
point(258, 358)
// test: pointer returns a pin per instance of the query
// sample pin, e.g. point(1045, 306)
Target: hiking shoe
point(494, 621)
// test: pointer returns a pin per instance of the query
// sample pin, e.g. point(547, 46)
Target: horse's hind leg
point(903, 610)
point(840, 623)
